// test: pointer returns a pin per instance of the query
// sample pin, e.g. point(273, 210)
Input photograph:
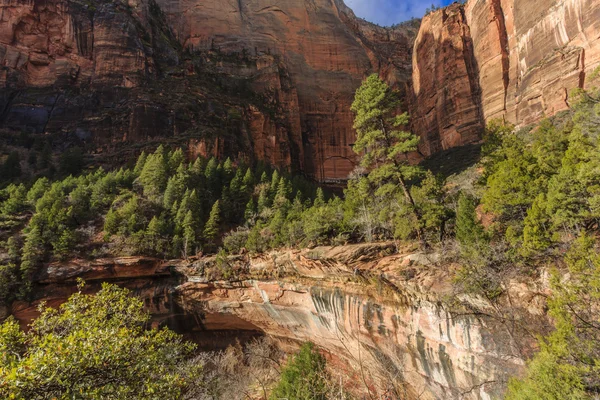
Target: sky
point(390, 12)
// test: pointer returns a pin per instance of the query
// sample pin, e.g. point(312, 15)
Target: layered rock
point(103, 74)
point(274, 81)
point(529, 55)
point(364, 305)
point(445, 104)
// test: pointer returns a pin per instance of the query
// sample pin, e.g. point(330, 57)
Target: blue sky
point(390, 12)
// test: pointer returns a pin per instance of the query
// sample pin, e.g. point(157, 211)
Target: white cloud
point(389, 12)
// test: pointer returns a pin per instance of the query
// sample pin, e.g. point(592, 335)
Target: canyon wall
point(247, 79)
point(500, 59)
point(274, 81)
point(395, 316)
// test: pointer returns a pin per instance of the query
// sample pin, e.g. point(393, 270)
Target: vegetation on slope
point(536, 189)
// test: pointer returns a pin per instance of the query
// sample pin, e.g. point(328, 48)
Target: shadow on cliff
point(446, 95)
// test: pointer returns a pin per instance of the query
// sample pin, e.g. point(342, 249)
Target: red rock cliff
point(387, 313)
point(488, 59)
point(271, 79)
point(274, 81)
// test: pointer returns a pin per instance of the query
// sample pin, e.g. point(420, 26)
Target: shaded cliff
point(244, 79)
point(257, 80)
point(392, 314)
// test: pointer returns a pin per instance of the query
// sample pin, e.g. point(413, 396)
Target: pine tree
point(38, 189)
point(248, 181)
point(304, 377)
point(264, 178)
point(469, 231)
point(33, 254)
point(139, 165)
point(154, 176)
point(275, 177)
point(155, 235)
point(189, 234)
point(250, 211)
point(212, 227)
point(176, 160)
point(284, 191)
point(174, 191)
point(384, 144)
point(319, 198)
point(536, 232)
point(263, 200)
point(112, 222)
point(228, 168)
point(211, 174)
point(17, 200)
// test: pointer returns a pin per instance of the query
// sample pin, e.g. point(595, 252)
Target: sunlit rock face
point(532, 54)
point(396, 315)
point(445, 103)
point(390, 314)
point(500, 59)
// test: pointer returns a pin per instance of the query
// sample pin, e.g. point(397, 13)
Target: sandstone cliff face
point(445, 102)
point(361, 305)
point(106, 73)
point(268, 80)
point(526, 58)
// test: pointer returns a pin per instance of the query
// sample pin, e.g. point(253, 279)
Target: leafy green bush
point(304, 377)
point(96, 346)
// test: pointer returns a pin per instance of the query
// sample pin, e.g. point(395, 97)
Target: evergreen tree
point(385, 146)
point(139, 165)
point(212, 227)
point(319, 198)
point(228, 169)
point(176, 160)
point(250, 211)
point(284, 191)
point(263, 200)
point(304, 377)
point(154, 175)
point(112, 222)
point(248, 181)
point(174, 190)
point(33, 254)
point(155, 235)
point(275, 177)
point(211, 174)
point(17, 200)
point(469, 231)
point(38, 189)
point(264, 178)
point(189, 234)
point(536, 233)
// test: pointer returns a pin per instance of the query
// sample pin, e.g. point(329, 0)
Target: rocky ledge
point(393, 313)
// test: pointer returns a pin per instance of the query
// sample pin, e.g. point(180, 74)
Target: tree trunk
point(418, 216)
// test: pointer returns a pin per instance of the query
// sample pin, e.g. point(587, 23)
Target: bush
point(236, 240)
point(304, 377)
point(97, 346)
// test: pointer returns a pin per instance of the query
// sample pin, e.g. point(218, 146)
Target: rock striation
point(364, 305)
point(501, 59)
point(274, 81)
